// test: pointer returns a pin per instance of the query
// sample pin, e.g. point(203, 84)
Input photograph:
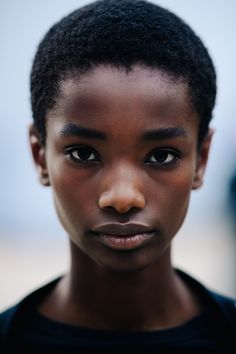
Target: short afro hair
point(122, 33)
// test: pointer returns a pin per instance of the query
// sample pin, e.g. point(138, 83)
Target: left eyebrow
point(164, 133)
point(72, 129)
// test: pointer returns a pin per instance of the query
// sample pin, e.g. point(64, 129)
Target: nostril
point(121, 203)
point(121, 216)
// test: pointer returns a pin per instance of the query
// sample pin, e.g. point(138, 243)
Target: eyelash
point(172, 156)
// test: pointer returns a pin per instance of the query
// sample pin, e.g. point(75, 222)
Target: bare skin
point(121, 158)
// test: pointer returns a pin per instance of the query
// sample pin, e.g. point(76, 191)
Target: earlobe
point(39, 155)
point(202, 159)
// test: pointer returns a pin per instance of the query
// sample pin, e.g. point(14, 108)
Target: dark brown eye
point(162, 157)
point(81, 153)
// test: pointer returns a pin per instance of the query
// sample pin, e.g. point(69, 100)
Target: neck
point(94, 297)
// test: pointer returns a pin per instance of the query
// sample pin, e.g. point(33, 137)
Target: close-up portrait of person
point(118, 168)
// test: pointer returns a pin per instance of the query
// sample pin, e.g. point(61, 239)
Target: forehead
point(141, 95)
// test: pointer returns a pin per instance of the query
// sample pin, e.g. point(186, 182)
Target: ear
point(39, 155)
point(202, 159)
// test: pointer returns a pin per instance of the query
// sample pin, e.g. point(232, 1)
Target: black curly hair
point(122, 33)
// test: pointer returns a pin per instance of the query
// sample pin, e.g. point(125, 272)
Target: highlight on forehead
point(166, 75)
point(75, 81)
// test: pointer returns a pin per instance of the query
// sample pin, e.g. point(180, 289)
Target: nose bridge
point(122, 189)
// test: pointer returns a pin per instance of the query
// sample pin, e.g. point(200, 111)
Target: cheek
point(171, 198)
point(179, 191)
point(72, 200)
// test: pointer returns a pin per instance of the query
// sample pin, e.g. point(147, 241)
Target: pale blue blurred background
point(33, 246)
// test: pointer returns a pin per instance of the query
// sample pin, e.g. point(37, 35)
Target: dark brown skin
point(123, 178)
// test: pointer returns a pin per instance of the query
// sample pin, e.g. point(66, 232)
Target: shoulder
point(5, 321)
point(226, 304)
point(14, 317)
point(222, 305)
point(6, 316)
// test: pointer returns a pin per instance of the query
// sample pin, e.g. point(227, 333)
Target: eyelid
point(77, 146)
point(173, 151)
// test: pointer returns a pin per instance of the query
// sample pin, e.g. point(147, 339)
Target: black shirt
point(43, 335)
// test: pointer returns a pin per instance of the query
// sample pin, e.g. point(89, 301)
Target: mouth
point(123, 236)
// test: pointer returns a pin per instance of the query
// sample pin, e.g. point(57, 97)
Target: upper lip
point(118, 229)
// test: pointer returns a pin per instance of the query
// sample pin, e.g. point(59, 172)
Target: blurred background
point(33, 245)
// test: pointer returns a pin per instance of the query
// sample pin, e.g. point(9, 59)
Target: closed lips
point(127, 237)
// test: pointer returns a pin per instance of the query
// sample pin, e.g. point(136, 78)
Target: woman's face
point(121, 157)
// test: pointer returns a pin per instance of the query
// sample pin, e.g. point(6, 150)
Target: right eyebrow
point(72, 129)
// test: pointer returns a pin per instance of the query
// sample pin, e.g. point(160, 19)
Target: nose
point(122, 193)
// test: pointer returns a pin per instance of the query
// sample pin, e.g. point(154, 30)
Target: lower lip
point(123, 242)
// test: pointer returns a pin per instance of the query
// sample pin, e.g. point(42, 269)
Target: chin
point(125, 262)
